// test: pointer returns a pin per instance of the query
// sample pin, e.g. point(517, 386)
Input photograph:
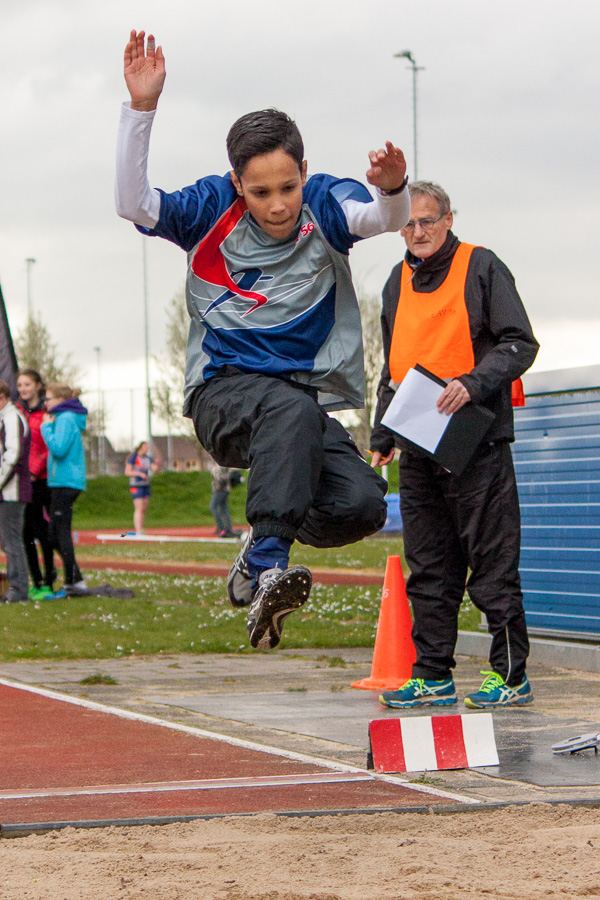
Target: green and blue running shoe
point(420, 692)
point(39, 593)
point(495, 692)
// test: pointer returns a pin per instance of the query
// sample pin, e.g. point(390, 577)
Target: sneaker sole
point(407, 704)
point(289, 593)
point(519, 701)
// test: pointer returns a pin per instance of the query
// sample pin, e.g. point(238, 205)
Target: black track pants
point(452, 524)
point(61, 517)
point(307, 480)
point(36, 528)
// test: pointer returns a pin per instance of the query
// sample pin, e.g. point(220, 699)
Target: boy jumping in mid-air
point(275, 337)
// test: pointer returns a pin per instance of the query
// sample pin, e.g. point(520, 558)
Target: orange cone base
point(378, 684)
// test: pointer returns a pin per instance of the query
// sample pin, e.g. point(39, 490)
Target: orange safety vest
point(433, 329)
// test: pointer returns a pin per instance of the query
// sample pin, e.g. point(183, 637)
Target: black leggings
point(61, 517)
point(36, 529)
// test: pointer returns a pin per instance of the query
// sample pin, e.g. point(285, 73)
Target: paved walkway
point(302, 703)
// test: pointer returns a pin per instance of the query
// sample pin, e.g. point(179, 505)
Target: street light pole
point(147, 347)
point(407, 54)
point(29, 263)
point(97, 351)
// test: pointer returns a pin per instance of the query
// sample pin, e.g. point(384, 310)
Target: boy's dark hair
point(262, 132)
point(4, 389)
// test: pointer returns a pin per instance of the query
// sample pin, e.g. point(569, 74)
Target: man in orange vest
point(454, 308)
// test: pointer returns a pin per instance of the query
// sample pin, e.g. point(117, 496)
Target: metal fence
point(557, 461)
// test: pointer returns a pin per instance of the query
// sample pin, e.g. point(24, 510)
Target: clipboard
point(462, 434)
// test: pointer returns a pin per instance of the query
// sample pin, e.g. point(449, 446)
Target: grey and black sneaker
point(79, 589)
point(239, 580)
point(279, 593)
point(12, 597)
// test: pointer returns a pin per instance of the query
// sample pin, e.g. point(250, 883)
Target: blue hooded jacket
point(63, 437)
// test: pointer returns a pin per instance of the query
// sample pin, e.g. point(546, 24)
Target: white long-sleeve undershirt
point(136, 201)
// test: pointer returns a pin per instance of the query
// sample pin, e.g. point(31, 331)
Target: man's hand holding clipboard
point(438, 418)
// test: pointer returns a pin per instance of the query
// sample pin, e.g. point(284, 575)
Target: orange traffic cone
point(394, 652)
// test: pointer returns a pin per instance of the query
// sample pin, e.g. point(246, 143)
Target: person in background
point(15, 493)
point(138, 468)
point(62, 429)
point(223, 479)
point(37, 513)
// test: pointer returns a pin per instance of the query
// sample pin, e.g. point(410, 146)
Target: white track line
point(215, 784)
point(237, 742)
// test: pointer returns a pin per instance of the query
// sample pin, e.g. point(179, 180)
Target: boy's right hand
point(144, 71)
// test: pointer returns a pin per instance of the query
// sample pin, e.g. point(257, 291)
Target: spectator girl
point(62, 428)
point(37, 513)
point(140, 465)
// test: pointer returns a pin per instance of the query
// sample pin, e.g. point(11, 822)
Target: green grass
point(99, 678)
point(178, 499)
point(175, 614)
point(368, 554)
point(178, 614)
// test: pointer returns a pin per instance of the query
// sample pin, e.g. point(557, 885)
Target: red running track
point(65, 760)
point(202, 570)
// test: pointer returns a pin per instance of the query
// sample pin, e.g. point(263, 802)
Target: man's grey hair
point(433, 190)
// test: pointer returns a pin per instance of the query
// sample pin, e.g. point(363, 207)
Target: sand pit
point(538, 851)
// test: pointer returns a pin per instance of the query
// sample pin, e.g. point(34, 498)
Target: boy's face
point(272, 188)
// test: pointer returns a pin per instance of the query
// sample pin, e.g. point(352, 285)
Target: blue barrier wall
point(557, 461)
point(393, 522)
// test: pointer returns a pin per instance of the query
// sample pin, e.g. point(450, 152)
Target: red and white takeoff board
point(419, 743)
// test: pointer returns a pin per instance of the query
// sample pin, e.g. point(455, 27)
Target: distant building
point(180, 453)
point(102, 458)
point(176, 453)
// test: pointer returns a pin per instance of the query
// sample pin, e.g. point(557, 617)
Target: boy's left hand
point(388, 168)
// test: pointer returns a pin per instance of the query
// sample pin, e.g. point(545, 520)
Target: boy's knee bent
point(362, 514)
point(370, 514)
point(363, 510)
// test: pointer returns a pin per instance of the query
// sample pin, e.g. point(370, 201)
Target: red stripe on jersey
point(209, 262)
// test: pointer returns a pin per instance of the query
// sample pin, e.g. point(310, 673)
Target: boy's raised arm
point(390, 210)
point(144, 70)
point(388, 168)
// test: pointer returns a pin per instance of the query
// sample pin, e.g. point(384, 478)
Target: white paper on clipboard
point(413, 412)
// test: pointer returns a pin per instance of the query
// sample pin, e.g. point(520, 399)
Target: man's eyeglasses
point(426, 224)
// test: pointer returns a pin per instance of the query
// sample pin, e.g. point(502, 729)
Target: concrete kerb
point(547, 652)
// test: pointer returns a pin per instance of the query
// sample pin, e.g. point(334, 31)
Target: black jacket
point(503, 343)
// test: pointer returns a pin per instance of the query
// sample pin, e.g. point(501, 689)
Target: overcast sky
point(508, 124)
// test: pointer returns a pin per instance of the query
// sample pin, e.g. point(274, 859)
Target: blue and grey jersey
point(281, 307)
